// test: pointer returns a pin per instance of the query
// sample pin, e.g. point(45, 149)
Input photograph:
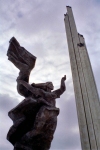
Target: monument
point(35, 118)
point(86, 95)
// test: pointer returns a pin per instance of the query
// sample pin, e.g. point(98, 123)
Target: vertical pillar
point(77, 89)
point(87, 114)
point(91, 89)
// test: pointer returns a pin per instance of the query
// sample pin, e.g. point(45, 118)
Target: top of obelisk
point(68, 6)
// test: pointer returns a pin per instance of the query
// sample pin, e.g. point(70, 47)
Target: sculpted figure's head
point(48, 86)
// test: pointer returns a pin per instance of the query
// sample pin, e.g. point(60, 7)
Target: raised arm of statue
point(62, 88)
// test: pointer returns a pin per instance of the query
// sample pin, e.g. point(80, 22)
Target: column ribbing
point(84, 87)
point(91, 91)
point(77, 88)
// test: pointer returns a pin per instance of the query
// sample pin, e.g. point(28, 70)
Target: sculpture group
point(35, 118)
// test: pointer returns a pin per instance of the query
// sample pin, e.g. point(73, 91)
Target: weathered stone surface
point(35, 118)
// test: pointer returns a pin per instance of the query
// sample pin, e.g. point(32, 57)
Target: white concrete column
point(83, 81)
point(91, 91)
point(78, 90)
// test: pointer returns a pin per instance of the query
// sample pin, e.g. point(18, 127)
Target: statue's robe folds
point(25, 116)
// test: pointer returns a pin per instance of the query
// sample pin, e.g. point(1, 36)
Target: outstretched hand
point(64, 78)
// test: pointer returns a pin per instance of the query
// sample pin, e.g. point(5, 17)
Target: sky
point(39, 27)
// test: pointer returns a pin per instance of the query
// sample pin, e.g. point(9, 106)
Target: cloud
point(6, 104)
point(39, 27)
point(67, 132)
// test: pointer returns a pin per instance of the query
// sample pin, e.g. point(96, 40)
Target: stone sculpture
point(35, 118)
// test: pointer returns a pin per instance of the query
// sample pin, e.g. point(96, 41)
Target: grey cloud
point(19, 14)
point(5, 148)
point(97, 76)
point(66, 142)
point(7, 103)
point(64, 137)
point(36, 16)
point(39, 27)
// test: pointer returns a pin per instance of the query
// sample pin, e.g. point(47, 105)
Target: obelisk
point(86, 94)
